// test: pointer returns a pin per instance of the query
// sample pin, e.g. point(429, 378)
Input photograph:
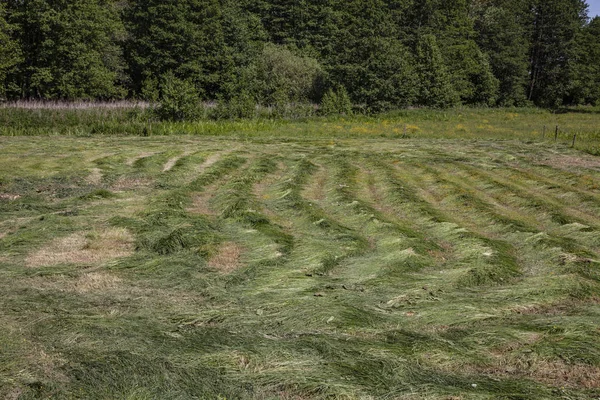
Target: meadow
point(416, 255)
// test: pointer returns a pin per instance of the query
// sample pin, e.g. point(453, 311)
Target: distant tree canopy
point(380, 54)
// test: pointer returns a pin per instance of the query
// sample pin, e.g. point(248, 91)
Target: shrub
point(336, 102)
point(179, 100)
point(242, 106)
point(281, 76)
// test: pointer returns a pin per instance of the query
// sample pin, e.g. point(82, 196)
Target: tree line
point(375, 54)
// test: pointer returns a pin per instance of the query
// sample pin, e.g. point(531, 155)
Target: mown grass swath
point(312, 261)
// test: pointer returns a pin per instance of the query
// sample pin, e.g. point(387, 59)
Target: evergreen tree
point(386, 53)
point(70, 48)
point(184, 37)
point(368, 58)
point(555, 26)
point(10, 53)
point(179, 99)
point(435, 87)
point(207, 41)
point(502, 34)
point(585, 76)
point(452, 25)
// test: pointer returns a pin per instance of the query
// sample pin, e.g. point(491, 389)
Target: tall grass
point(525, 124)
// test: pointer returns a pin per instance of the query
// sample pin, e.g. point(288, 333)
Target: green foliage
point(178, 101)
point(372, 63)
point(281, 77)
point(71, 49)
point(387, 54)
point(336, 102)
point(504, 39)
point(10, 52)
point(585, 75)
point(150, 90)
point(435, 86)
point(472, 77)
point(242, 106)
point(555, 26)
point(205, 41)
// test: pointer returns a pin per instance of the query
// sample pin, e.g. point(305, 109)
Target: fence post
point(544, 133)
point(556, 134)
point(574, 137)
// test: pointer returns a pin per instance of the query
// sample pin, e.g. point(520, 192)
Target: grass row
point(363, 269)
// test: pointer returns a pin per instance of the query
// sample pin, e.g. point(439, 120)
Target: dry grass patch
point(89, 282)
point(96, 281)
point(316, 191)
point(227, 257)
point(173, 160)
point(201, 203)
point(132, 160)
point(260, 189)
point(568, 162)
point(129, 183)
point(95, 176)
point(553, 373)
point(557, 373)
point(78, 248)
point(210, 160)
point(9, 196)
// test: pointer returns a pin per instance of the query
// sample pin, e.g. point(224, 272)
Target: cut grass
point(303, 268)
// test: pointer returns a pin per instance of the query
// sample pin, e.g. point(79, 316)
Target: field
point(359, 259)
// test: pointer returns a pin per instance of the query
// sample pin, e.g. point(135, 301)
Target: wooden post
point(574, 137)
point(556, 134)
point(544, 133)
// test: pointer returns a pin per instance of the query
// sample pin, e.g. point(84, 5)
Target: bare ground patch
point(227, 257)
point(79, 248)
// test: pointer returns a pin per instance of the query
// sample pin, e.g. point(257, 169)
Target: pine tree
point(585, 75)
point(369, 59)
point(70, 48)
point(504, 39)
point(435, 87)
point(10, 53)
point(555, 26)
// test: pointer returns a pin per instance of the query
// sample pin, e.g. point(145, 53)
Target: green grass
point(304, 261)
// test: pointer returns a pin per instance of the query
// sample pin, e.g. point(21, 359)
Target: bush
point(242, 106)
point(280, 76)
point(179, 100)
point(336, 102)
